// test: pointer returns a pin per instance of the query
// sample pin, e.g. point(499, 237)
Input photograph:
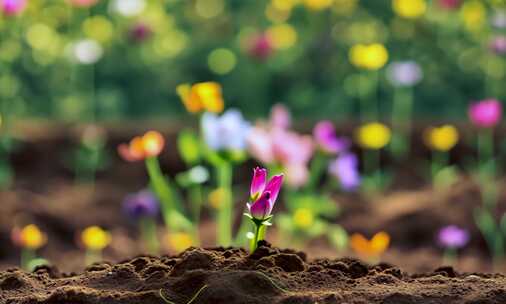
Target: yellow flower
point(443, 138)
point(179, 241)
point(216, 197)
point(373, 135)
point(201, 96)
point(318, 5)
point(409, 8)
point(303, 218)
point(30, 237)
point(370, 57)
point(370, 248)
point(282, 36)
point(473, 14)
point(95, 238)
point(345, 7)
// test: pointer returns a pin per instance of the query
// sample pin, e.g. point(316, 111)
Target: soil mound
point(231, 275)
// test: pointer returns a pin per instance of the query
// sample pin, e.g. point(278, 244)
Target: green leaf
point(189, 147)
point(338, 237)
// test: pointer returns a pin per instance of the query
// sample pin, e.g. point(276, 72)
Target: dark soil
point(231, 275)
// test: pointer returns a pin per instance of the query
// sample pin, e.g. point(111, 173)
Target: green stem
point(260, 230)
point(369, 109)
point(317, 170)
point(196, 204)
point(93, 256)
point(439, 161)
point(449, 256)
point(372, 167)
point(485, 151)
point(224, 233)
point(401, 121)
point(27, 255)
point(147, 228)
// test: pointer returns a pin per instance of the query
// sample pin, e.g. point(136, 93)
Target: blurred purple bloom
point(498, 45)
point(345, 169)
point(326, 138)
point(141, 204)
point(140, 32)
point(226, 132)
point(453, 237)
point(12, 7)
point(499, 20)
point(404, 73)
point(262, 203)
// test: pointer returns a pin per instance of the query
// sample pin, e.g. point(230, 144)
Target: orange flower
point(203, 96)
point(370, 248)
point(142, 147)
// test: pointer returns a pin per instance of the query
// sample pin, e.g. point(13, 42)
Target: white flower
point(87, 51)
point(128, 8)
point(226, 132)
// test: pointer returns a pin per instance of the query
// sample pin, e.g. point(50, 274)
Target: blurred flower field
point(123, 58)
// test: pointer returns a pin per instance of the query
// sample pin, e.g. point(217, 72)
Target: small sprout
point(203, 96)
point(370, 249)
point(142, 147)
point(29, 239)
point(195, 296)
point(95, 239)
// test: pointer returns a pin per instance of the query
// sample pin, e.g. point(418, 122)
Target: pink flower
point(263, 194)
point(280, 117)
point(260, 47)
point(13, 7)
point(486, 113)
point(450, 4)
point(498, 45)
point(325, 136)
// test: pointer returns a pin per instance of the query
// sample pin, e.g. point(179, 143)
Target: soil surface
point(231, 275)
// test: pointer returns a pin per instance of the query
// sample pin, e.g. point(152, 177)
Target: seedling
point(95, 240)
point(30, 238)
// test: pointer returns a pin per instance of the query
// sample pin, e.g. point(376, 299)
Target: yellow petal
point(380, 242)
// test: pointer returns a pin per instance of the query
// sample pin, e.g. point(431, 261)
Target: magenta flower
point(453, 237)
point(260, 47)
point(140, 32)
point(13, 7)
point(498, 45)
point(450, 4)
point(486, 113)
point(325, 136)
point(345, 170)
point(263, 194)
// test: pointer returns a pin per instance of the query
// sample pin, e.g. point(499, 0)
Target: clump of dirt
point(231, 275)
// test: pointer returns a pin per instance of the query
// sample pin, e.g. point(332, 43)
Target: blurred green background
point(122, 59)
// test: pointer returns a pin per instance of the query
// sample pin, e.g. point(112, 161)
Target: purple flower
point(326, 138)
point(453, 237)
point(140, 32)
point(498, 45)
point(12, 7)
point(345, 169)
point(404, 73)
point(141, 204)
point(263, 194)
point(486, 113)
